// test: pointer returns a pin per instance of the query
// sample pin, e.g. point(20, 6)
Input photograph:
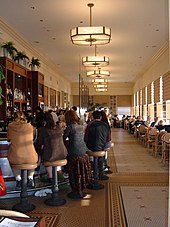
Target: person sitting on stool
point(50, 140)
point(78, 161)
point(96, 137)
point(21, 149)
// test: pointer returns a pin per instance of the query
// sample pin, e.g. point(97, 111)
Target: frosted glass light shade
point(98, 73)
point(89, 36)
point(101, 89)
point(95, 61)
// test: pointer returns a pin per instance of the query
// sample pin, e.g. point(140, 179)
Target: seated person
point(21, 148)
point(50, 141)
point(96, 137)
point(78, 161)
point(167, 128)
point(155, 122)
point(160, 126)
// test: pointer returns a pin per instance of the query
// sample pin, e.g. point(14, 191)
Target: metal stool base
point(55, 201)
point(21, 207)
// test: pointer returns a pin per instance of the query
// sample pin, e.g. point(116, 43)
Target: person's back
point(97, 133)
point(76, 145)
point(50, 137)
point(78, 164)
point(21, 148)
point(20, 134)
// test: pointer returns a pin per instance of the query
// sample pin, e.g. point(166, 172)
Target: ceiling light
point(101, 89)
point(89, 36)
point(95, 60)
point(100, 80)
point(98, 73)
point(100, 86)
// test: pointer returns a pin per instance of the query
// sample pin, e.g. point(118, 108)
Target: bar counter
point(39, 176)
point(4, 164)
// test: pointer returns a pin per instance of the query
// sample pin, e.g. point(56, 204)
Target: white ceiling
point(139, 29)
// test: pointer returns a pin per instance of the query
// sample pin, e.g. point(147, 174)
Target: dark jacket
point(97, 134)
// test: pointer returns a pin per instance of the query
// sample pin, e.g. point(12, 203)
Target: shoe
point(30, 183)
point(76, 195)
point(18, 184)
point(103, 177)
point(65, 175)
point(107, 171)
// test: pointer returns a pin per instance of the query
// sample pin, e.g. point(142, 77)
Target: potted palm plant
point(21, 56)
point(34, 62)
point(8, 48)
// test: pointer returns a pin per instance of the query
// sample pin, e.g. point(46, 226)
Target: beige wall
point(113, 89)
point(104, 100)
point(124, 100)
point(157, 66)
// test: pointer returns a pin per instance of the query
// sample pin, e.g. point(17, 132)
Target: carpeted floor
point(51, 219)
point(136, 194)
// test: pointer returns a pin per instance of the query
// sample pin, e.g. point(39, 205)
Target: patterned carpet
point(51, 219)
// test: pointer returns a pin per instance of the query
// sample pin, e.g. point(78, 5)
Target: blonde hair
point(19, 116)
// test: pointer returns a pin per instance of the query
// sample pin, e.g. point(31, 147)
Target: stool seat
point(96, 153)
point(62, 162)
point(24, 166)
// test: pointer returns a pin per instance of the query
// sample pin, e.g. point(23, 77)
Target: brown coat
point(52, 142)
point(21, 149)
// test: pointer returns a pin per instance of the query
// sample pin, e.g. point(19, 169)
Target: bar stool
point(95, 184)
point(24, 205)
point(55, 200)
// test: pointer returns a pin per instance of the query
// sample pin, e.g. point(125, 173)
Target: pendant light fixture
point(100, 86)
point(101, 89)
point(88, 36)
point(99, 80)
point(99, 61)
point(98, 73)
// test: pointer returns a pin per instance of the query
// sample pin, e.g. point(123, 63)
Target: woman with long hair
point(50, 141)
point(78, 161)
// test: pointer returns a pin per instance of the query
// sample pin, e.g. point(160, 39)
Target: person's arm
point(86, 132)
point(67, 131)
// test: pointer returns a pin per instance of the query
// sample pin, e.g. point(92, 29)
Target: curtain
point(157, 90)
point(166, 86)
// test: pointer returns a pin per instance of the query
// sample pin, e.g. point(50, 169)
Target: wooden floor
point(138, 184)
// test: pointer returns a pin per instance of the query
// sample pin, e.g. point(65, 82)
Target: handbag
point(2, 185)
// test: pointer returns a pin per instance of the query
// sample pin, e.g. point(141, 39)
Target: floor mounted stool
point(24, 205)
point(55, 200)
point(95, 183)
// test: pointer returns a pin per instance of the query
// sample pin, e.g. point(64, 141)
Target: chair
point(95, 184)
point(157, 146)
point(151, 136)
point(24, 206)
point(165, 148)
point(55, 200)
point(142, 133)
